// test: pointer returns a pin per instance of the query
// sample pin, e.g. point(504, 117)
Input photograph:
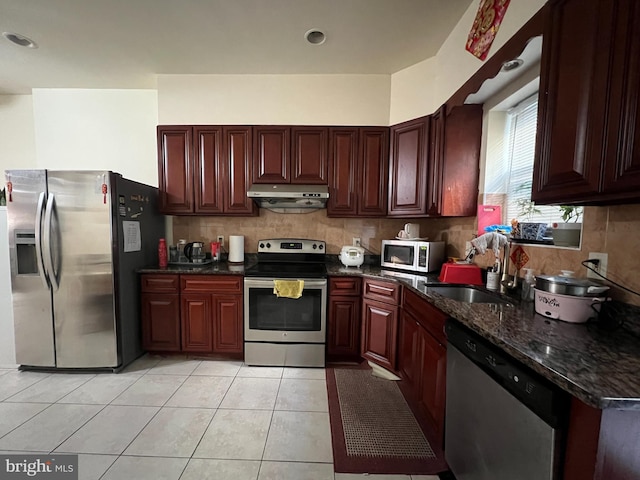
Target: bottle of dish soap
point(527, 285)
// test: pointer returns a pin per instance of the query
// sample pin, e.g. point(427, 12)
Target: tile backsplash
point(614, 230)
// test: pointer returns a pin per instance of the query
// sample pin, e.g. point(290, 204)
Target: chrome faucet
point(505, 282)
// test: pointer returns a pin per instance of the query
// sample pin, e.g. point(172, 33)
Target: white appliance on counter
point(351, 256)
point(76, 239)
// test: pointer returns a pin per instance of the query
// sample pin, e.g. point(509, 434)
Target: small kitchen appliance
point(568, 299)
point(351, 256)
point(412, 255)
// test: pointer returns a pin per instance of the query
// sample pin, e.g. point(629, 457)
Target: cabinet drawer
point(430, 317)
point(382, 291)
point(345, 286)
point(160, 283)
point(211, 284)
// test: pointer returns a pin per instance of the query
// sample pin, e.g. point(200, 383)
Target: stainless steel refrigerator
point(76, 239)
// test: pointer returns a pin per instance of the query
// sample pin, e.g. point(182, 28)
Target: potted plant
point(568, 234)
point(528, 230)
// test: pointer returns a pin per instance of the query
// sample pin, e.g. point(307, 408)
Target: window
point(509, 171)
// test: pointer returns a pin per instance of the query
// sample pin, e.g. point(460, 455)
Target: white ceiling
point(125, 43)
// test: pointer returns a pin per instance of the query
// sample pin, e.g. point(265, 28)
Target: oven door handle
point(268, 282)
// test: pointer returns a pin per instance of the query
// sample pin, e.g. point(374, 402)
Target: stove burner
point(289, 258)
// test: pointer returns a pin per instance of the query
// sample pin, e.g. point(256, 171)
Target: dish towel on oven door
point(288, 288)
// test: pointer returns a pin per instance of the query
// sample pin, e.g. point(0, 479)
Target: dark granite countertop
point(600, 366)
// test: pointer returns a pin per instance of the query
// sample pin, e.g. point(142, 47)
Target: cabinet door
point(432, 384)
point(409, 350)
point(564, 166)
point(408, 169)
point(436, 161)
point(373, 174)
point(343, 172)
point(344, 326)
point(197, 323)
point(309, 155)
point(237, 171)
point(379, 333)
point(208, 176)
point(461, 165)
point(621, 149)
point(271, 150)
point(175, 169)
point(227, 328)
point(160, 315)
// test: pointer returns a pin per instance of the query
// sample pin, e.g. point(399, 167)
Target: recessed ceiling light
point(315, 36)
point(20, 40)
point(512, 64)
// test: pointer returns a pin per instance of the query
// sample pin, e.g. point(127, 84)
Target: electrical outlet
point(221, 240)
point(601, 268)
point(356, 242)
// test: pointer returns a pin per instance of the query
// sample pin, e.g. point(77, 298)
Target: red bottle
point(162, 253)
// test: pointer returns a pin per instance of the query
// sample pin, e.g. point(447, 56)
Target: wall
point(17, 138)
point(274, 99)
point(453, 64)
point(97, 129)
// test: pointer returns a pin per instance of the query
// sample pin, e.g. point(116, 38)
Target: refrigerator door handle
point(38, 232)
point(53, 275)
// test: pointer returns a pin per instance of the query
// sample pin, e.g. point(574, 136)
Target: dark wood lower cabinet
point(422, 358)
point(227, 324)
point(160, 313)
point(379, 332)
point(204, 315)
point(197, 324)
point(344, 327)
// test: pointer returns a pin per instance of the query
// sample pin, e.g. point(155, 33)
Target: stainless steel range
point(280, 330)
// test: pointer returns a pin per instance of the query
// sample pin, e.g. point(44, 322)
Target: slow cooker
point(568, 299)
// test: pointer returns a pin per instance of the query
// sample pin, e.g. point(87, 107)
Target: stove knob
point(321, 247)
point(262, 245)
point(268, 245)
point(315, 246)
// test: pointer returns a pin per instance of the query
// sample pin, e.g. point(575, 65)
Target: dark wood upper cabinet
point(175, 169)
point(358, 171)
point(309, 155)
point(204, 170)
point(458, 190)
point(408, 169)
point(588, 140)
point(237, 169)
point(208, 170)
point(373, 153)
point(436, 160)
point(271, 154)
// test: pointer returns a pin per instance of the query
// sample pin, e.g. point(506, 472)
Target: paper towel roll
point(236, 248)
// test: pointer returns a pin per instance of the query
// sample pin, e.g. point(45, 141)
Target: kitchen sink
point(465, 294)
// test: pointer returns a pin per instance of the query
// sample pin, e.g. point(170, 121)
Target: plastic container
point(528, 285)
point(466, 273)
point(493, 279)
point(162, 253)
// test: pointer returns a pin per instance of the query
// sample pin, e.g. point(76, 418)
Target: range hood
point(288, 196)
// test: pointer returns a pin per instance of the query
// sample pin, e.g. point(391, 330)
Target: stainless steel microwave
point(412, 255)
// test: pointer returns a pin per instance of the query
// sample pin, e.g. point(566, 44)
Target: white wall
point(97, 129)
point(17, 145)
point(274, 99)
point(453, 64)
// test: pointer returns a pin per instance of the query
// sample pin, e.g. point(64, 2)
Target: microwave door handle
point(38, 231)
point(48, 258)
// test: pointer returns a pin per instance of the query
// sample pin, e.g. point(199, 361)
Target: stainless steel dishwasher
point(503, 421)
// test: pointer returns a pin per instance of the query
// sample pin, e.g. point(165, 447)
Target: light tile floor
point(177, 419)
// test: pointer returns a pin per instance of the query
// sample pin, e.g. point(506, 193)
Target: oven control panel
point(291, 245)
